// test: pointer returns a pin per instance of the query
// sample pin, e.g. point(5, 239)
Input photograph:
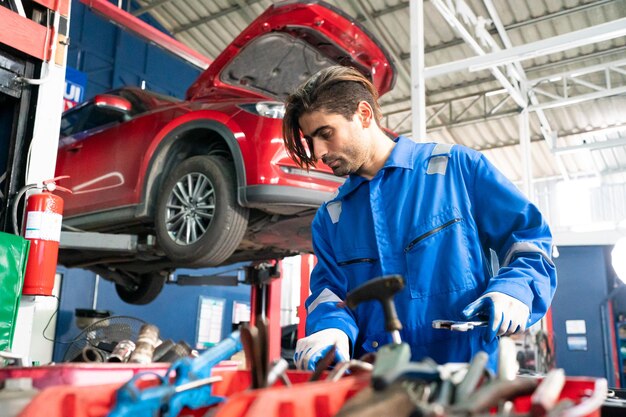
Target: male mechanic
point(432, 213)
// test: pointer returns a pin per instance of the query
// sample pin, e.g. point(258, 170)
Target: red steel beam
point(23, 34)
point(61, 6)
point(147, 32)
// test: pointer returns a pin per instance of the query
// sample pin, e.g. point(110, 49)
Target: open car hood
point(288, 43)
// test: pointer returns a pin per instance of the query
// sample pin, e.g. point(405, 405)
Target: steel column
point(418, 83)
point(524, 134)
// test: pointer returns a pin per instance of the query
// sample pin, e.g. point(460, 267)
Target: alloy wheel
point(190, 208)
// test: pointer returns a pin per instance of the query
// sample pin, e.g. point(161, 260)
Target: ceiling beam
point(594, 34)
point(450, 17)
point(592, 146)
point(152, 5)
point(206, 19)
point(480, 81)
point(492, 30)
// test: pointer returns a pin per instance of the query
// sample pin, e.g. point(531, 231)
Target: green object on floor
point(13, 256)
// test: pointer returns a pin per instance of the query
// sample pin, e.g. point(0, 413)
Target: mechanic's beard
point(343, 169)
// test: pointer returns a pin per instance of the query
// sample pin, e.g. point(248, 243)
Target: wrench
point(458, 326)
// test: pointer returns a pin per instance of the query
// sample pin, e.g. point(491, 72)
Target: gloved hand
point(507, 315)
point(311, 349)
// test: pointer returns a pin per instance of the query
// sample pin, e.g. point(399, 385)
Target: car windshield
point(281, 62)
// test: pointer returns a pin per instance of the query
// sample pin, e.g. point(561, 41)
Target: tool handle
point(547, 393)
point(472, 378)
point(201, 366)
point(495, 392)
point(382, 289)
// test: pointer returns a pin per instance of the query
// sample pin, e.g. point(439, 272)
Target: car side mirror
point(112, 102)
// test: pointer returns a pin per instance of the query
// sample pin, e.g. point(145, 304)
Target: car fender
point(156, 157)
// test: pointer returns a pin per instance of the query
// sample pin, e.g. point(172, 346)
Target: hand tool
point(324, 363)
point(353, 365)
point(459, 326)
point(492, 394)
point(278, 370)
point(395, 356)
point(473, 377)
point(263, 341)
point(547, 393)
point(191, 387)
point(252, 350)
point(394, 401)
point(507, 368)
point(505, 388)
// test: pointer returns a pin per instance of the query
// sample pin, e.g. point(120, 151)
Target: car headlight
point(271, 109)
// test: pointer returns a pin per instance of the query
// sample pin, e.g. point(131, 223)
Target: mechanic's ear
point(365, 113)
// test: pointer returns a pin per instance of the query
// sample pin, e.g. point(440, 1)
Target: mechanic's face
point(340, 143)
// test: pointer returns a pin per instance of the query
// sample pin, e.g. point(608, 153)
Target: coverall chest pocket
point(438, 258)
point(358, 265)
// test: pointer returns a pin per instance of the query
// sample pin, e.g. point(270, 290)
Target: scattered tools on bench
point(449, 390)
point(191, 386)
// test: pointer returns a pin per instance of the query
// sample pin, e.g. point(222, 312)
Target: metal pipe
point(146, 343)
point(122, 351)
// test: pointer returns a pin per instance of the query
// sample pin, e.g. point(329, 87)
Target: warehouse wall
point(175, 311)
point(112, 57)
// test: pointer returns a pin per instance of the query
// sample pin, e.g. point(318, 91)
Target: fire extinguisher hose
point(16, 203)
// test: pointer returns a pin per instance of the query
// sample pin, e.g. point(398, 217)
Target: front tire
point(198, 220)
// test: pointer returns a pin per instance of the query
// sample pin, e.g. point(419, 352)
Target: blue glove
point(311, 349)
point(507, 315)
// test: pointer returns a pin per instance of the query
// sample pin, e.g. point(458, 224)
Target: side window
point(101, 116)
point(71, 122)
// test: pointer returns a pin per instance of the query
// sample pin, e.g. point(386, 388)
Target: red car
point(207, 181)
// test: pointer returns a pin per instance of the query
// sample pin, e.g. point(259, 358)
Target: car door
point(92, 153)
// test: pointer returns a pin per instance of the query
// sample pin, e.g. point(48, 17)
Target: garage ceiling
point(471, 108)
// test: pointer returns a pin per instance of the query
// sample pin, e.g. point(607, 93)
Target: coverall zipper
point(430, 233)
point(356, 261)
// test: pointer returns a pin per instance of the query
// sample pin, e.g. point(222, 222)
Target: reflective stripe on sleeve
point(438, 160)
point(524, 247)
point(334, 211)
point(325, 296)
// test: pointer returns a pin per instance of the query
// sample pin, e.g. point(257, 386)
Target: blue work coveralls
point(431, 214)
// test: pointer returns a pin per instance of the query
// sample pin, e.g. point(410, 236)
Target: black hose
point(16, 202)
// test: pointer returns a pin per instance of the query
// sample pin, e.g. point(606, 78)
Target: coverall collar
point(402, 156)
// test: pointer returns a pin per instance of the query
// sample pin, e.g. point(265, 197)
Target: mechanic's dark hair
point(335, 89)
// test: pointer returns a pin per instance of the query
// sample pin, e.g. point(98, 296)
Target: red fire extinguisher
point(42, 227)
